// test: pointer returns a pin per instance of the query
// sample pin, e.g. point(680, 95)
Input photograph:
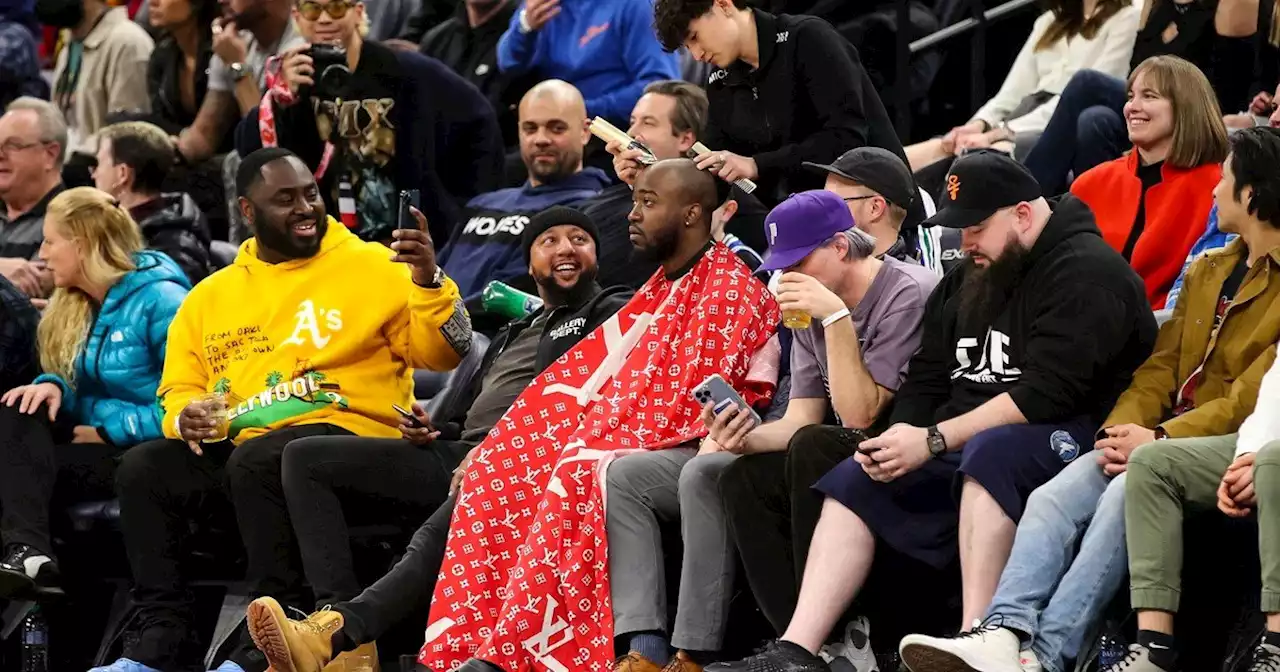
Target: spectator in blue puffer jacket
point(101, 345)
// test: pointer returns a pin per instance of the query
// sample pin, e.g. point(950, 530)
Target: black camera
point(331, 74)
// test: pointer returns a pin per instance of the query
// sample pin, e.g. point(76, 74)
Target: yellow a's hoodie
point(330, 339)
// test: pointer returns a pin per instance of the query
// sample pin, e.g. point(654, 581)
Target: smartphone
point(409, 198)
point(715, 390)
point(413, 419)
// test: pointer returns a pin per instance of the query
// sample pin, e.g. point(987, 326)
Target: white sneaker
point(1030, 663)
point(990, 649)
point(853, 653)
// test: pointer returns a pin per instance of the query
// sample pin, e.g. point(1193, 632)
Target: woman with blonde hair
point(100, 344)
point(1152, 203)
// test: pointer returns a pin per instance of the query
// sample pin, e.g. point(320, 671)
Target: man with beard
point(273, 349)
point(416, 471)
point(1025, 349)
point(487, 246)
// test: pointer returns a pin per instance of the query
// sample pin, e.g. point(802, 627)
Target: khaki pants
point(1168, 476)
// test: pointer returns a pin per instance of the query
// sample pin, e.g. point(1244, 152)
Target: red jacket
point(1176, 212)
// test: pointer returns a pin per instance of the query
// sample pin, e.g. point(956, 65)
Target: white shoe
point(853, 652)
point(1027, 658)
point(990, 649)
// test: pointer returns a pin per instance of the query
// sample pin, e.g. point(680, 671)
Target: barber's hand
point(414, 247)
point(538, 12)
point(24, 275)
point(797, 291)
point(227, 43)
point(1112, 461)
point(1262, 103)
point(729, 428)
point(626, 162)
point(729, 166)
point(30, 397)
point(1125, 438)
point(86, 434)
point(900, 450)
point(461, 471)
point(418, 436)
point(196, 424)
point(297, 68)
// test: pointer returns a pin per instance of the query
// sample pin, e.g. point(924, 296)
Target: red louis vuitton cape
point(525, 579)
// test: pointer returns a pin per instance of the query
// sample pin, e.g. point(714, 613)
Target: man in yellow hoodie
point(311, 332)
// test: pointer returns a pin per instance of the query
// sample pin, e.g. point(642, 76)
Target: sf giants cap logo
point(953, 186)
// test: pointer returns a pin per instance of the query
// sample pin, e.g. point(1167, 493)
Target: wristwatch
point(238, 71)
point(937, 443)
point(437, 280)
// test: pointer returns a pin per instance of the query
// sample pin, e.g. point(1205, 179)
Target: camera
point(331, 71)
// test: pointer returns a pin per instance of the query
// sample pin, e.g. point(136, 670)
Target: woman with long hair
point(177, 75)
point(1152, 203)
point(101, 346)
point(1072, 35)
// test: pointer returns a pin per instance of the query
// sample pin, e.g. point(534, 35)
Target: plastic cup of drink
point(215, 405)
point(796, 319)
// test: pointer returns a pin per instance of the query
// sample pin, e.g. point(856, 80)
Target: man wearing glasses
point(33, 141)
point(371, 121)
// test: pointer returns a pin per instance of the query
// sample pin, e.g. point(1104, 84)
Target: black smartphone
point(413, 419)
point(408, 198)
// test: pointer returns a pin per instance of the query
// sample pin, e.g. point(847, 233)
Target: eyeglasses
point(311, 10)
point(10, 146)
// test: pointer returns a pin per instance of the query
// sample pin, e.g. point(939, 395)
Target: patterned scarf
point(525, 579)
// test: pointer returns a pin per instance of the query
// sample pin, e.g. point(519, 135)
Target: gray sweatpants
point(645, 489)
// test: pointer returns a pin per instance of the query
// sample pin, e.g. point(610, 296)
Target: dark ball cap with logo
point(877, 169)
point(979, 184)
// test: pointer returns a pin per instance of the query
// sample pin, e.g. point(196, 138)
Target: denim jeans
point(1087, 128)
point(1044, 591)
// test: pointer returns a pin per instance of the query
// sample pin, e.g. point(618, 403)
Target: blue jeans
point(1087, 128)
point(1045, 592)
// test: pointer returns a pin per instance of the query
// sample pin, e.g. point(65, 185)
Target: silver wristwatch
point(238, 71)
point(437, 280)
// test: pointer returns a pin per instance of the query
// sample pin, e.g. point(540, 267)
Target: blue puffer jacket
point(119, 369)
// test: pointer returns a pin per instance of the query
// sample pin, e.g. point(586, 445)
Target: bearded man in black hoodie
point(133, 158)
point(1026, 348)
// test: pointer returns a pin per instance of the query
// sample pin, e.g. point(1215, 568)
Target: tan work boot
point(634, 662)
point(363, 659)
point(289, 645)
point(681, 663)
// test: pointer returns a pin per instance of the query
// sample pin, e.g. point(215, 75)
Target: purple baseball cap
point(801, 224)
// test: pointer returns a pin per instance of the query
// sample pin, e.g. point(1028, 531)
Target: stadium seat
point(433, 388)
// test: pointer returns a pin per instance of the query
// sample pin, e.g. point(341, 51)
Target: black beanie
point(557, 215)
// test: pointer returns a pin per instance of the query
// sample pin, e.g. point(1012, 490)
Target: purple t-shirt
point(887, 321)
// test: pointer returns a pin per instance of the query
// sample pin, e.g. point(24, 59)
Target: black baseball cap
point(979, 184)
point(877, 169)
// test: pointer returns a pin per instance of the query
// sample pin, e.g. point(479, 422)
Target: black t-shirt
point(1229, 289)
point(1150, 176)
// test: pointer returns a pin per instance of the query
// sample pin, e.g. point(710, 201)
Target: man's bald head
point(689, 185)
point(553, 131)
point(671, 218)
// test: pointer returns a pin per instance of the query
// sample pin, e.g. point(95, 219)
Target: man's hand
point(1112, 461)
point(461, 471)
point(626, 162)
point(729, 166)
point(538, 12)
point(196, 423)
point(1262, 104)
point(86, 434)
point(418, 436)
point(414, 247)
point(24, 275)
point(30, 397)
point(1236, 496)
point(227, 43)
point(981, 140)
point(1123, 439)
point(729, 428)
point(1238, 120)
point(297, 68)
point(900, 450)
point(797, 291)
point(949, 140)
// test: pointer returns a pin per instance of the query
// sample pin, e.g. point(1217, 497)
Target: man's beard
point(985, 290)
point(564, 166)
point(559, 295)
point(280, 239)
point(657, 248)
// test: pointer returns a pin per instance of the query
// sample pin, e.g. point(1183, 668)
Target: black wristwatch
point(937, 443)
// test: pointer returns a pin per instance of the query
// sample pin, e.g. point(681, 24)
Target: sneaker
point(682, 663)
point(987, 649)
point(125, 665)
point(853, 652)
point(777, 656)
point(1137, 660)
point(24, 568)
point(634, 662)
point(1029, 662)
point(363, 659)
point(1266, 658)
point(289, 645)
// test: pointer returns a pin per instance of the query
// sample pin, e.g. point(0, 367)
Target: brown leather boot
point(681, 663)
point(289, 645)
point(634, 662)
point(363, 659)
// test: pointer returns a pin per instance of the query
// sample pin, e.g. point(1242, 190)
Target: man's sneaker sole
point(15, 584)
point(922, 658)
point(267, 622)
